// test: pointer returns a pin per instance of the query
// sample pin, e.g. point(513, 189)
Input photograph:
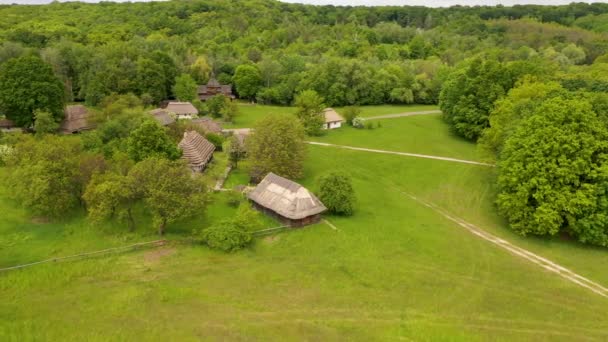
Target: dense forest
point(529, 84)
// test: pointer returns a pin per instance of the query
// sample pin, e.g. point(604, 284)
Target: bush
point(227, 236)
point(337, 193)
point(234, 198)
point(351, 113)
point(358, 122)
point(369, 125)
point(216, 140)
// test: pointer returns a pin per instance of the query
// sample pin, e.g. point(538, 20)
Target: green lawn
point(395, 270)
point(424, 134)
point(250, 113)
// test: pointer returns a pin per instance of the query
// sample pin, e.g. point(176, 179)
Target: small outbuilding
point(162, 116)
point(77, 119)
point(287, 201)
point(332, 119)
point(7, 125)
point(197, 150)
point(182, 110)
point(208, 125)
point(213, 88)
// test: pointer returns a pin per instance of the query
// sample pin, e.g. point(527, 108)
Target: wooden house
point(208, 125)
point(287, 201)
point(197, 150)
point(162, 116)
point(332, 119)
point(182, 110)
point(76, 119)
point(7, 125)
point(213, 88)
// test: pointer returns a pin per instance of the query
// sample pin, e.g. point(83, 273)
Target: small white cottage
point(332, 119)
point(182, 110)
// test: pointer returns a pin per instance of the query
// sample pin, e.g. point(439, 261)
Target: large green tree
point(151, 140)
point(185, 88)
point(337, 193)
point(44, 174)
point(553, 173)
point(169, 190)
point(28, 84)
point(248, 80)
point(112, 195)
point(310, 111)
point(468, 96)
point(277, 145)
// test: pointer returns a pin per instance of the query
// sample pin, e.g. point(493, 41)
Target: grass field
point(250, 113)
point(395, 270)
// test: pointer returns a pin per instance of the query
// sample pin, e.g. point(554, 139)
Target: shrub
point(369, 125)
point(358, 122)
point(227, 236)
point(337, 193)
point(234, 198)
point(350, 113)
point(216, 140)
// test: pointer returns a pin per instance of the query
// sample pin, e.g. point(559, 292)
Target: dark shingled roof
point(198, 151)
point(286, 198)
point(162, 116)
point(76, 119)
point(208, 125)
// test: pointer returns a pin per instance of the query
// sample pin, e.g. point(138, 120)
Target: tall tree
point(112, 195)
point(151, 79)
point(151, 140)
point(170, 192)
point(185, 88)
point(310, 111)
point(28, 84)
point(45, 122)
point(247, 79)
point(277, 145)
point(553, 174)
point(337, 193)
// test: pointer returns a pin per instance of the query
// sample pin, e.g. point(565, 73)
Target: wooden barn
point(76, 120)
point(197, 150)
point(213, 88)
point(182, 110)
point(287, 201)
point(208, 125)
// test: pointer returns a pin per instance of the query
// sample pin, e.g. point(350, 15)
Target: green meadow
point(395, 270)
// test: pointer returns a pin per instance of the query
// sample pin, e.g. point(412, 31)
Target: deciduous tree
point(310, 111)
point(151, 140)
point(337, 193)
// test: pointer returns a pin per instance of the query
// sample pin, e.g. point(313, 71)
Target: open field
point(250, 113)
point(395, 270)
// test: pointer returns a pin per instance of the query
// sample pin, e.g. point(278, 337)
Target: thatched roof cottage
point(76, 120)
point(197, 150)
point(332, 119)
point(182, 110)
point(162, 116)
point(289, 202)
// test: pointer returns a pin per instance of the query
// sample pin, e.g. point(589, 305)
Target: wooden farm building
point(332, 119)
point(77, 119)
point(182, 110)
point(7, 125)
point(197, 150)
point(212, 88)
point(289, 202)
point(162, 116)
point(208, 125)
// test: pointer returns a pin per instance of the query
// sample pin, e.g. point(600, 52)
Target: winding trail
point(400, 115)
point(416, 155)
point(520, 252)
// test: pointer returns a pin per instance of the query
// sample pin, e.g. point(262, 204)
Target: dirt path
point(400, 115)
point(416, 155)
point(520, 252)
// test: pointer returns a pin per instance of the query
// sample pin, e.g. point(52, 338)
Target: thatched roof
point(181, 108)
point(332, 116)
point(76, 119)
point(162, 116)
point(286, 198)
point(208, 125)
point(197, 150)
